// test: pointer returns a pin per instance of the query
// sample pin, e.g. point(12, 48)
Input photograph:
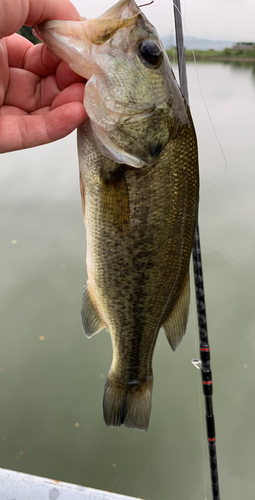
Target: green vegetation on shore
point(214, 55)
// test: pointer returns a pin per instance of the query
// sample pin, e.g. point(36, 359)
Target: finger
point(4, 74)
point(17, 47)
point(28, 91)
point(32, 12)
point(11, 110)
point(50, 9)
point(65, 76)
point(73, 93)
point(35, 58)
point(39, 59)
point(19, 132)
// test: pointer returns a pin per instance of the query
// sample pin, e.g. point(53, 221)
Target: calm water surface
point(52, 377)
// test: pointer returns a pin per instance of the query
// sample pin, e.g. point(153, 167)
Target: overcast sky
point(232, 20)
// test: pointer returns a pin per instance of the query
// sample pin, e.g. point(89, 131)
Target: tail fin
point(127, 404)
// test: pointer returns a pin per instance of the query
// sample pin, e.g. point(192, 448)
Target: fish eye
point(150, 53)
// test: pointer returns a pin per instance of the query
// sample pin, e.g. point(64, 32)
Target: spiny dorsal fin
point(90, 319)
point(175, 325)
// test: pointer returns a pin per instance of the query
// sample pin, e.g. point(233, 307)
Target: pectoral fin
point(175, 325)
point(90, 319)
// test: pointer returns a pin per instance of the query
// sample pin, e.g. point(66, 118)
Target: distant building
point(244, 46)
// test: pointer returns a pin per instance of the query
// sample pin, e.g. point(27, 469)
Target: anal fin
point(90, 319)
point(176, 323)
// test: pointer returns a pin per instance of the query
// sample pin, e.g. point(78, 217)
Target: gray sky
point(211, 19)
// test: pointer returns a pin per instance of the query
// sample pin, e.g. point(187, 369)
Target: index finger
point(15, 13)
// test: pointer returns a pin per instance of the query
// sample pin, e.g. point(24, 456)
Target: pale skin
point(41, 99)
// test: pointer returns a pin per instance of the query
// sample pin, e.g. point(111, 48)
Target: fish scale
point(139, 188)
point(133, 284)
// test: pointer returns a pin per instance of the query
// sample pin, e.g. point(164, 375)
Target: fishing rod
point(199, 287)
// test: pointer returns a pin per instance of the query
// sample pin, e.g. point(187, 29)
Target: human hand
point(41, 98)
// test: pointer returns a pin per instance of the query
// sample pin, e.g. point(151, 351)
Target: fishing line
point(204, 102)
point(212, 125)
point(199, 287)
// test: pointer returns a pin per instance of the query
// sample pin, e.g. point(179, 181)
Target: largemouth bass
point(139, 188)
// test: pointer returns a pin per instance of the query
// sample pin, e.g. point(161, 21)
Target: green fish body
point(139, 186)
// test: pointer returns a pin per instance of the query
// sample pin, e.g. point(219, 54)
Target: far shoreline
point(226, 55)
point(225, 59)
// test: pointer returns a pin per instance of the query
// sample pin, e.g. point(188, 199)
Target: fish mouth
point(83, 46)
point(74, 41)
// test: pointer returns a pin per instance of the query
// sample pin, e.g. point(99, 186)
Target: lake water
point(52, 377)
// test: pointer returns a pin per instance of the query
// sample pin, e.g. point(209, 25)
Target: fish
point(139, 182)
